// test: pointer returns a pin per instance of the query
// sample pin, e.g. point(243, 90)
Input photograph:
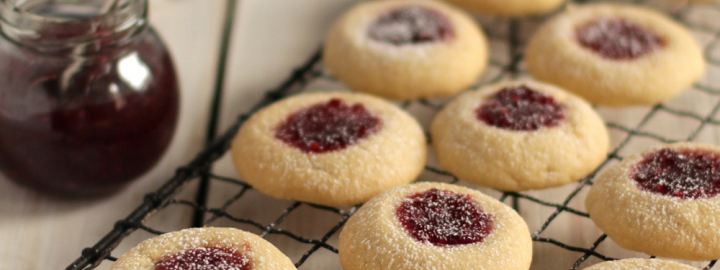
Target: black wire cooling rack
point(511, 35)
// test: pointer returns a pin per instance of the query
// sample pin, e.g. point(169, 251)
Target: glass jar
point(88, 94)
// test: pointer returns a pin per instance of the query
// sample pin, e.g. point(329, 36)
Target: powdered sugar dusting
point(685, 174)
point(521, 108)
point(617, 38)
point(444, 218)
point(205, 258)
point(411, 25)
point(376, 238)
point(328, 126)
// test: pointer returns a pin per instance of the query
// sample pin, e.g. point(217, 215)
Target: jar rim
point(123, 6)
point(30, 27)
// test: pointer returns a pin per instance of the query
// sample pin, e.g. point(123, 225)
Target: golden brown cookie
point(640, 264)
point(329, 148)
point(204, 248)
point(435, 226)
point(519, 135)
point(663, 202)
point(615, 54)
point(509, 7)
point(406, 49)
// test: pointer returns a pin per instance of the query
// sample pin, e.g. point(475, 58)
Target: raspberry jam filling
point(411, 25)
point(328, 126)
point(618, 39)
point(444, 218)
point(205, 258)
point(521, 108)
point(685, 174)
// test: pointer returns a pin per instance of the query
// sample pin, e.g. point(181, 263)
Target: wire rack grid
point(508, 34)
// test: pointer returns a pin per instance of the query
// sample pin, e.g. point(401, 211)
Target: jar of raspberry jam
point(88, 94)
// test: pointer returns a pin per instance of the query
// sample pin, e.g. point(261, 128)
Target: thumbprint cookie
point(512, 8)
point(435, 226)
point(204, 249)
point(519, 135)
point(640, 264)
point(333, 149)
point(663, 202)
point(406, 49)
point(615, 54)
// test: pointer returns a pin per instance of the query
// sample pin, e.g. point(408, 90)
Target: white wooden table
point(270, 38)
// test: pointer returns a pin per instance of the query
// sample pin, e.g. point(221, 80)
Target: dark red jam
point(617, 38)
point(328, 126)
point(411, 25)
point(685, 174)
point(444, 218)
point(206, 258)
point(521, 108)
point(86, 127)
